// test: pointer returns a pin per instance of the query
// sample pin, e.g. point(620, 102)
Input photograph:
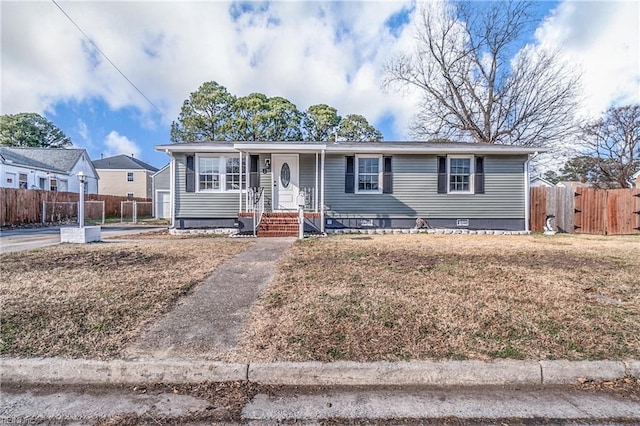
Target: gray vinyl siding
point(202, 204)
point(415, 191)
point(162, 180)
point(266, 182)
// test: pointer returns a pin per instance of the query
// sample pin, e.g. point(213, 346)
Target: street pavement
point(313, 405)
point(19, 239)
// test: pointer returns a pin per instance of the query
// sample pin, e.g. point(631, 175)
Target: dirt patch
point(91, 300)
point(451, 297)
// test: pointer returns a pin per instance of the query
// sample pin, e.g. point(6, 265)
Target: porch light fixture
point(267, 166)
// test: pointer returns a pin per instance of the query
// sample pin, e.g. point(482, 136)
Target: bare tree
point(477, 84)
point(613, 142)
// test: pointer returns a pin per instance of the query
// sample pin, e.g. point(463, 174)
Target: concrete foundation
point(86, 234)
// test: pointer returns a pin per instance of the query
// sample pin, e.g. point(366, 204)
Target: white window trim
point(222, 168)
point(356, 167)
point(471, 159)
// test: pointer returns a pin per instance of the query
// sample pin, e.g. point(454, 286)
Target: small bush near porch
point(410, 297)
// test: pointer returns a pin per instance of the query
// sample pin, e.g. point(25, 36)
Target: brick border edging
point(428, 373)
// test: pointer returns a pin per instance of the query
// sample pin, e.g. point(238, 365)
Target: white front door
point(285, 181)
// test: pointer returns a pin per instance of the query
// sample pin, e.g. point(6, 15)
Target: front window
point(459, 174)
point(42, 183)
point(209, 173)
point(129, 176)
point(221, 173)
point(22, 181)
point(53, 185)
point(234, 174)
point(368, 174)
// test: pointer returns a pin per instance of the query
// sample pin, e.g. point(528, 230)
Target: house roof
point(541, 179)
point(350, 147)
point(122, 162)
point(163, 168)
point(58, 160)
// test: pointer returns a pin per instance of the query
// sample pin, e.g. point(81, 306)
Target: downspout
point(527, 192)
point(322, 191)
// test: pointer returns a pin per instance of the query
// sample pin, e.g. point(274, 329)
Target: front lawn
point(91, 300)
point(423, 297)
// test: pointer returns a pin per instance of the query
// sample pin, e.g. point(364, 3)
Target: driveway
point(32, 238)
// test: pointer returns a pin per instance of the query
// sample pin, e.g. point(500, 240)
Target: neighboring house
point(636, 179)
point(539, 181)
point(574, 184)
point(48, 169)
point(351, 184)
point(125, 176)
point(160, 182)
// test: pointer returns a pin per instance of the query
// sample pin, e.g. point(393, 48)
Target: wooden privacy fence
point(587, 210)
point(24, 206)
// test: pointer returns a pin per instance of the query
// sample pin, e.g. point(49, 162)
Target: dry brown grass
point(90, 300)
point(418, 297)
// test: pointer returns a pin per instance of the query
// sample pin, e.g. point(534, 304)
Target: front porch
point(278, 179)
point(278, 224)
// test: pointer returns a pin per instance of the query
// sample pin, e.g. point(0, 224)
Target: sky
point(308, 52)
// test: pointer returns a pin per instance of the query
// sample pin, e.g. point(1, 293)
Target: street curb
point(345, 373)
point(566, 372)
point(396, 373)
point(76, 372)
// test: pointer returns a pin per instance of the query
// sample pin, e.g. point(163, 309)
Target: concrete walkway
point(210, 320)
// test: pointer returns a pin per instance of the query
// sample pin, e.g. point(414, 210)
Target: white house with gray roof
point(125, 175)
point(48, 169)
point(348, 185)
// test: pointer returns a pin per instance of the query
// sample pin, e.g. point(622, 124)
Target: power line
point(109, 60)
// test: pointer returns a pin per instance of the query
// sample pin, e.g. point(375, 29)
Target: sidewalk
point(210, 320)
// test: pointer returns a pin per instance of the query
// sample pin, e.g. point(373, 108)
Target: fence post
point(44, 210)
point(135, 212)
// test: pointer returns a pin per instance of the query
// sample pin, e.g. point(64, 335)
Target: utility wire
point(109, 60)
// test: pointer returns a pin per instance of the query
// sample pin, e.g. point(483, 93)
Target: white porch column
point(172, 188)
point(322, 191)
point(315, 195)
point(240, 183)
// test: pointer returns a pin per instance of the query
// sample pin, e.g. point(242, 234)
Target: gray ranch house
point(347, 185)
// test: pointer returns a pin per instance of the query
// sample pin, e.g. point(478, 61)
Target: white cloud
point(116, 144)
point(308, 52)
point(603, 40)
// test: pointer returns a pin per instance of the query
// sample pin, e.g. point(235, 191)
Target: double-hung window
point(209, 173)
point(129, 176)
point(459, 174)
point(22, 181)
point(369, 173)
point(220, 173)
point(234, 175)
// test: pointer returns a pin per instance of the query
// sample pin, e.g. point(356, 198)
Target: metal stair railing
point(257, 206)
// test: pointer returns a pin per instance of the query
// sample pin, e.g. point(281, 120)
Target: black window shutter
point(191, 174)
point(350, 176)
point(387, 177)
point(479, 178)
point(442, 175)
point(254, 173)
